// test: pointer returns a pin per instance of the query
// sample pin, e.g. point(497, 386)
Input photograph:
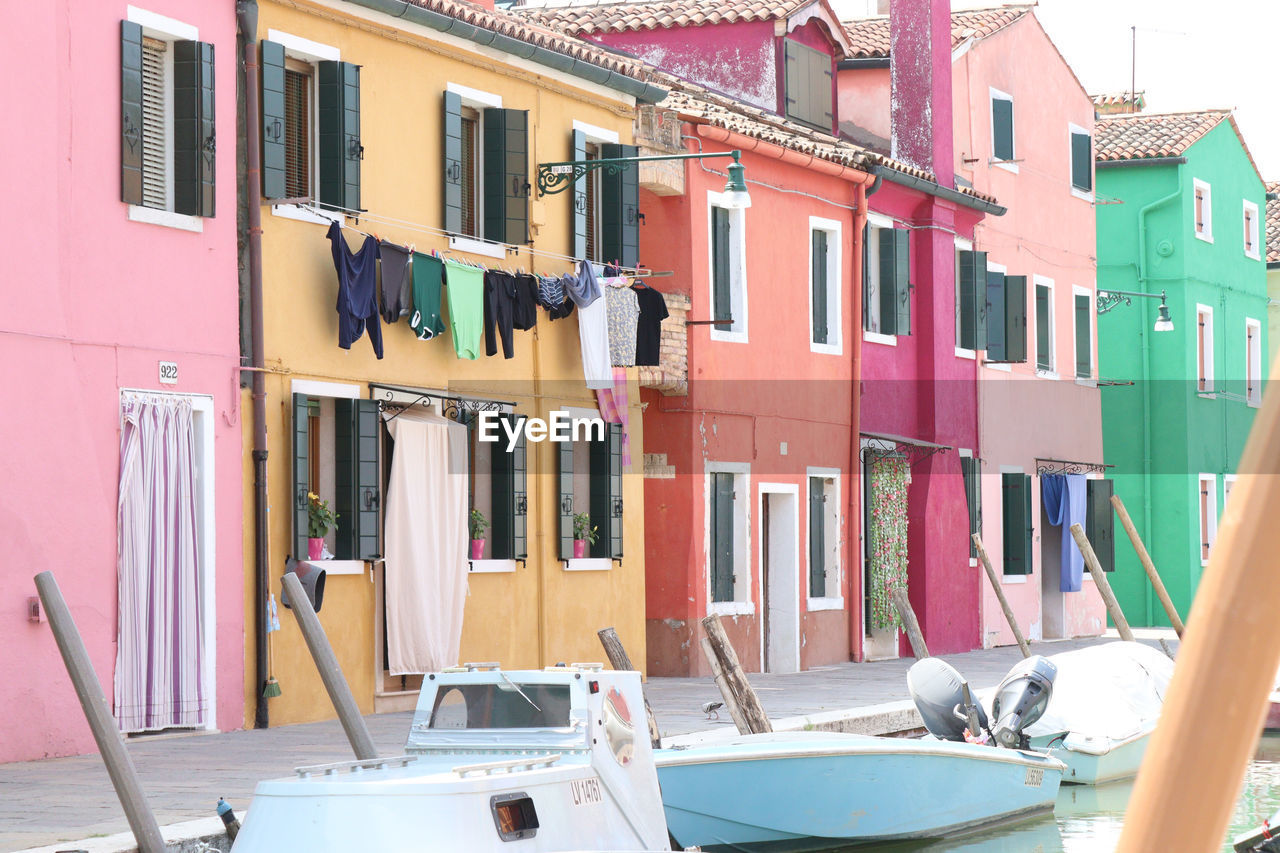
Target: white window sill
point(1007, 579)
point(167, 218)
point(826, 349)
point(478, 247)
point(340, 567)
point(1253, 404)
point(300, 213)
point(492, 566)
point(1086, 382)
point(1046, 374)
point(1207, 395)
point(1253, 255)
point(1207, 237)
point(1083, 195)
point(961, 352)
point(1003, 367)
point(877, 338)
point(732, 608)
point(589, 564)
point(729, 337)
point(826, 604)
point(1007, 166)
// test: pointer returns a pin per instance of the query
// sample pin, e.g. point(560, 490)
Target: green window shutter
point(866, 277)
point(819, 276)
point(1016, 491)
point(1015, 318)
point(969, 468)
point(1100, 523)
point(506, 175)
point(357, 478)
point(973, 321)
point(997, 332)
point(817, 538)
point(722, 309)
point(507, 473)
point(193, 128)
point(1084, 338)
point(339, 149)
point(1002, 128)
point(452, 163)
point(619, 206)
point(581, 216)
point(519, 497)
point(130, 112)
point(301, 473)
point(615, 491)
point(902, 280)
point(1044, 355)
point(273, 120)
point(1081, 161)
point(606, 493)
point(564, 454)
point(888, 280)
point(721, 522)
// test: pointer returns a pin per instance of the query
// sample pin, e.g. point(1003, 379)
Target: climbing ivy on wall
point(888, 531)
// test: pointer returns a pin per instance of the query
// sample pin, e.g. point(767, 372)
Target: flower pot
point(477, 549)
point(579, 549)
point(315, 547)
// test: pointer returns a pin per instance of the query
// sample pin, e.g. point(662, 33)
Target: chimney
point(920, 86)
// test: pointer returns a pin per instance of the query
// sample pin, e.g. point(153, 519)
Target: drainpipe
point(247, 18)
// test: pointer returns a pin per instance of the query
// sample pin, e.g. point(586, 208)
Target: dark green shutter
point(273, 120)
point(817, 538)
point(972, 302)
point(1015, 317)
point(615, 491)
point(581, 216)
point(193, 128)
point(564, 454)
point(509, 508)
point(1016, 490)
point(819, 277)
point(619, 206)
point(301, 473)
point(130, 112)
point(996, 320)
point(867, 236)
point(1081, 161)
point(357, 478)
point(1002, 128)
point(452, 163)
point(519, 497)
point(721, 522)
point(969, 469)
point(339, 149)
point(722, 307)
point(895, 281)
point(606, 493)
point(1084, 338)
point(1044, 355)
point(1100, 523)
point(506, 175)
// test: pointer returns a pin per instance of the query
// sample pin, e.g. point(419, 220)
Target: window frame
point(831, 540)
point(738, 332)
point(312, 53)
point(1002, 366)
point(1206, 503)
point(1076, 292)
point(1032, 518)
point(479, 101)
point(1202, 230)
point(1249, 233)
point(835, 286)
point(1204, 350)
point(1074, 130)
point(1009, 165)
point(1051, 372)
point(1253, 363)
point(872, 254)
point(596, 136)
point(975, 518)
point(330, 391)
point(743, 602)
point(584, 473)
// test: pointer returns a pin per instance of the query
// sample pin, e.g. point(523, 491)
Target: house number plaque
point(168, 373)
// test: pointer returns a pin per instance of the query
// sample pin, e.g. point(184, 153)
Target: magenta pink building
point(122, 451)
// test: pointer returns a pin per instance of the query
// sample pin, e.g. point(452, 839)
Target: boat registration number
point(585, 791)
point(1035, 776)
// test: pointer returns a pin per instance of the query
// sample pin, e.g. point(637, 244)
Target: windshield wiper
point(516, 687)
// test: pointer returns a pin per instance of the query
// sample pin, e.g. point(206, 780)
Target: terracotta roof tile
point(620, 17)
point(870, 36)
point(1273, 223)
point(1146, 135)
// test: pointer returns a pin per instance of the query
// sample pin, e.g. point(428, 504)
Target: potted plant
point(583, 533)
point(478, 525)
point(320, 518)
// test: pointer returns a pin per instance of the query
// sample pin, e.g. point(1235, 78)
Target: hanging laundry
point(552, 296)
point(526, 310)
point(1065, 498)
point(499, 311)
point(357, 290)
point(466, 307)
point(653, 310)
point(583, 288)
point(613, 404)
point(624, 315)
point(428, 276)
point(593, 330)
point(395, 281)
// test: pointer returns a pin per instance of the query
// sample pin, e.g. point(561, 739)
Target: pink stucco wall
point(91, 303)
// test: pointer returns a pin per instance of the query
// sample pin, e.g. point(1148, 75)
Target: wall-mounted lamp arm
point(559, 176)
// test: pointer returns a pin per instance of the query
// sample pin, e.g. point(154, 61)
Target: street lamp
point(1108, 299)
point(558, 177)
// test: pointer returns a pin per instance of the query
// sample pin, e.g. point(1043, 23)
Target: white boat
point(521, 760)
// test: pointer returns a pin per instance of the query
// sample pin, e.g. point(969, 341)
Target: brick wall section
point(671, 376)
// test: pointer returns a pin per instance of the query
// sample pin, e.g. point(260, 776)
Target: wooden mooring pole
point(1023, 645)
point(910, 624)
point(1101, 582)
point(743, 704)
point(1150, 567)
point(620, 660)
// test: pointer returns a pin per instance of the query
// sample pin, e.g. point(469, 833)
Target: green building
point(1180, 212)
point(1273, 266)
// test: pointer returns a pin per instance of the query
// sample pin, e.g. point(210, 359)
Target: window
point(1006, 317)
point(1084, 332)
point(496, 484)
point(1208, 502)
point(1002, 150)
point(1252, 245)
point(590, 481)
point(809, 86)
point(1204, 349)
point(311, 146)
point(1203, 212)
point(886, 285)
point(970, 469)
point(606, 207)
point(824, 538)
point(824, 286)
point(1045, 361)
point(486, 171)
point(167, 123)
point(1081, 161)
point(1017, 528)
point(971, 300)
point(470, 172)
point(592, 204)
point(1099, 525)
point(728, 264)
point(728, 565)
point(1252, 362)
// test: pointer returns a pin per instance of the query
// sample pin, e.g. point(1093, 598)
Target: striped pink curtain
point(159, 654)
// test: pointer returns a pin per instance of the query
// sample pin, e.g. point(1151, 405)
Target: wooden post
point(620, 660)
point(1101, 582)
point(909, 624)
point(1150, 567)
point(717, 675)
point(124, 776)
point(736, 683)
point(1023, 645)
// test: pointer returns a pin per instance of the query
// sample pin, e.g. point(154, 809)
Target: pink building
point(122, 424)
point(1024, 304)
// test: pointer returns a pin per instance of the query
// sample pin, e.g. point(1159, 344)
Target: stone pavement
point(62, 799)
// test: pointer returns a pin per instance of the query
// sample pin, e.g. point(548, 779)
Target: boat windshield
point(501, 706)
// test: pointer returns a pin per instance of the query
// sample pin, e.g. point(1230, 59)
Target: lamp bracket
point(559, 176)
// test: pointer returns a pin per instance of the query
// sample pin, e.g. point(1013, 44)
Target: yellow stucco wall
point(540, 614)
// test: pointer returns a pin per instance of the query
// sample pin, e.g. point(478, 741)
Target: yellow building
point(423, 124)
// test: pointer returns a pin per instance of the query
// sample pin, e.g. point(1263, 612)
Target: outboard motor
point(942, 697)
point(1021, 699)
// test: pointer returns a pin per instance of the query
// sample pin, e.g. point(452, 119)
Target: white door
point(780, 576)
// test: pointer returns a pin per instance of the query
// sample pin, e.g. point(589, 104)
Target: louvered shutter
point(564, 454)
point(1015, 318)
point(507, 470)
point(273, 121)
point(1100, 523)
point(340, 150)
point(619, 206)
point(866, 278)
point(797, 94)
point(606, 493)
point(808, 85)
point(155, 136)
point(721, 523)
point(1084, 338)
point(817, 538)
point(820, 85)
point(193, 128)
point(997, 333)
point(969, 468)
point(615, 528)
point(818, 275)
point(130, 112)
point(506, 175)
point(1002, 128)
point(452, 163)
point(895, 284)
point(1081, 161)
point(301, 473)
point(722, 299)
point(357, 478)
point(581, 213)
point(972, 300)
point(1016, 490)
point(1044, 351)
